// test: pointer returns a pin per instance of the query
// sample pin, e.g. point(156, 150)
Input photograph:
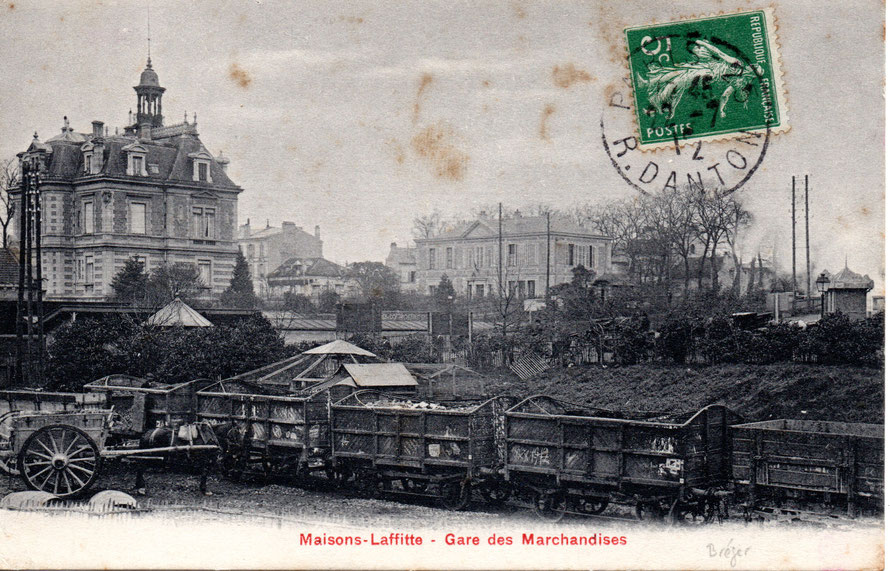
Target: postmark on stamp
point(706, 78)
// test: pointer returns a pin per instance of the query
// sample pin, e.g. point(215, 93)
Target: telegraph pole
point(806, 195)
point(19, 308)
point(793, 246)
point(500, 250)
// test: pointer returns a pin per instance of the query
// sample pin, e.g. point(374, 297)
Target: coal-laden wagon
point(566, 458)
point(264, 430)
point(385, 444)
point(791, 467)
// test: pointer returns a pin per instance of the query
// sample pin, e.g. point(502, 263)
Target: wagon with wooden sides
point(265, 430)
point(565, 458)
point(58, 441)
point(788, 467)
point(416, 448)
point(144, 404)
point(37, 401)
point(62, 452)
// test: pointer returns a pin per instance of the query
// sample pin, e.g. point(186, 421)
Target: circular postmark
point(683, 100)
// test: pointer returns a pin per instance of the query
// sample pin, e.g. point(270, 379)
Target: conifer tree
point(240, 291)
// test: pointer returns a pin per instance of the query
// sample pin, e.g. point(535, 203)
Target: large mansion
point(153, 192)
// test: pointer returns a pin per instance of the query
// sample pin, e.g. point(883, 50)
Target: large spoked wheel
point(495, 493)
point(550, 506)
point(454, 496)
point(59, 459)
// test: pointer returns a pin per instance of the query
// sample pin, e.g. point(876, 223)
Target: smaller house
point(389, 378)
point(178, 314)
point(306, 276)
point(846, 293)
point(309, 367)
point(403, 261)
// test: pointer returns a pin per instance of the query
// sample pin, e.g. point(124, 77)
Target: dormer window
point(201, 166)
point(92, 158)
point(135, 159)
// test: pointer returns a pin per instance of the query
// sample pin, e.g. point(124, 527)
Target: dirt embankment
point(850, 394)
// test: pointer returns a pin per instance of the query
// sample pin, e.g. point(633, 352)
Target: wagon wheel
point(59, 459)
point(550, 506)
point(686, 513)
point(454, 496)
point(494, 493)
point(595, 506)
point(413, 486)
point(650, 510)
point(339, 475)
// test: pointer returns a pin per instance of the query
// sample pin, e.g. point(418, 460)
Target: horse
point(182, 437)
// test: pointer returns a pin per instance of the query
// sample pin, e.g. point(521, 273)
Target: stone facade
point(152, 192)
point(470, 256)
point(267, 248)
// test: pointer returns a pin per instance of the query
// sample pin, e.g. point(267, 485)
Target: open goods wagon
point(265, 430)
point(417, 448)
point(568, 459)
point(791, 465)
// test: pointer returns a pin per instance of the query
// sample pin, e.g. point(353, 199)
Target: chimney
point(392, 245)
point(145, 131)
point(318, 232)
point(222, 161)
point(97, 128)
point(288, 227)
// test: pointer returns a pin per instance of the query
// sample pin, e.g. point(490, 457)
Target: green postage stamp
point(706, 78)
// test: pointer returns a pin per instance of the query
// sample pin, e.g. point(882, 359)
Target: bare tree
point(9, 178)
point(428, 225)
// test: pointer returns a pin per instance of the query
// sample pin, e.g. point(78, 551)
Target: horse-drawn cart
point(61, 451)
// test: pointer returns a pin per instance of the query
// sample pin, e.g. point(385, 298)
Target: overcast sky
point(359, 116)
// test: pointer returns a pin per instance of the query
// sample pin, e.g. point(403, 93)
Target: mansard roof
point(170, 154)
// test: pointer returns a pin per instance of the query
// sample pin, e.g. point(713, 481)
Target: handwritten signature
point(730, 551)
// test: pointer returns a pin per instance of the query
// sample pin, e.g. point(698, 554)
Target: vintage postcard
point(498, 285)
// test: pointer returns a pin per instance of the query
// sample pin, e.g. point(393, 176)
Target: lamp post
point(822, 285)
point(29, 308)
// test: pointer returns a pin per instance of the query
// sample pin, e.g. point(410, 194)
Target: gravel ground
point(281, 500)
point(318, 502)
